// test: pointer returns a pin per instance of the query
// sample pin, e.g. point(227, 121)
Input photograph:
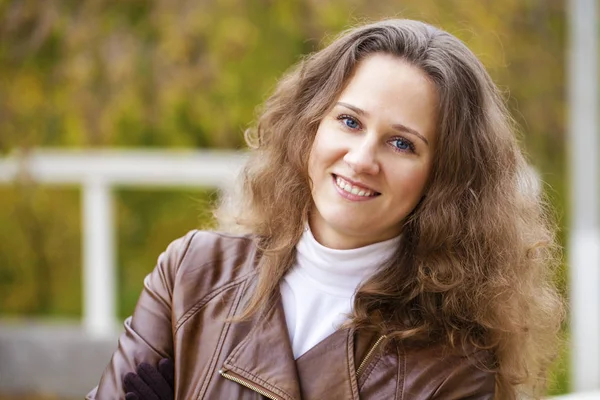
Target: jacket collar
point(265, 359)
point(338, 380)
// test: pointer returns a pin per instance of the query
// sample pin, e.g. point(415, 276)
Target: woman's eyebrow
point(398, 127)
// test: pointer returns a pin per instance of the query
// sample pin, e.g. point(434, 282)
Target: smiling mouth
point(355, 190)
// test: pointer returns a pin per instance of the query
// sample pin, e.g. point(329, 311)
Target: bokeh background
point(173, 74)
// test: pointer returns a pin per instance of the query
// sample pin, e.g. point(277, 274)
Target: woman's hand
point(150, 383)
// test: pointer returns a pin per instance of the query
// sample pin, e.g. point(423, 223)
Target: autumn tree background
point(190, 74)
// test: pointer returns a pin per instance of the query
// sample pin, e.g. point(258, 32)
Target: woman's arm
point(148, 335)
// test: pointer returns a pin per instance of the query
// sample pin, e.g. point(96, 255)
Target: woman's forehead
point(386, 88)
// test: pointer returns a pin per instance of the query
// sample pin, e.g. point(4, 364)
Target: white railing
point(97, 172)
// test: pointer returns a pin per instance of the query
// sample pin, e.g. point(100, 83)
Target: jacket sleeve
point(466, 380)
point(148, 332)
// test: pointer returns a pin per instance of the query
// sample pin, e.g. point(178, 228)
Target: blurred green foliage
point(182, 73)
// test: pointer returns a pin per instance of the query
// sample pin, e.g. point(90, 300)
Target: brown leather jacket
point(199, 283)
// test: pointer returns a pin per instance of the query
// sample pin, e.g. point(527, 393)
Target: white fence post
point(99, 291)
point(584, 235)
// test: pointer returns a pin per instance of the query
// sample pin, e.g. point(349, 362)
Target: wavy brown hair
point(475, 263)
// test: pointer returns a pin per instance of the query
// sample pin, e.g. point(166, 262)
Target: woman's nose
point(362, 158)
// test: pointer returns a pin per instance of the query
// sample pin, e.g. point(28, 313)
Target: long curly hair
point(475, 264)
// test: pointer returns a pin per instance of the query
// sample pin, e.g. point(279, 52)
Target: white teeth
point(346, 186)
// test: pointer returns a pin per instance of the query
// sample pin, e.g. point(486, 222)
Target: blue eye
point(349, 121)
point(402, 144)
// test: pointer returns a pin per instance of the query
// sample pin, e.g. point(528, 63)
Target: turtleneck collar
point(340, 272)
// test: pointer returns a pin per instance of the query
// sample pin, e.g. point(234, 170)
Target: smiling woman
point(386, 241)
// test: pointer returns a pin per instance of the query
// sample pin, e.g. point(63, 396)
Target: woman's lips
point(352, 190)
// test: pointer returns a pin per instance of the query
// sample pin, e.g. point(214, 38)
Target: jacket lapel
point(265, 356)
point(327, 371)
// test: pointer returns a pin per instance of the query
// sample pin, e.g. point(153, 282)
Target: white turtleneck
point(318, 291)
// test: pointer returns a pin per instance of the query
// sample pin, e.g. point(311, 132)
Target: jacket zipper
point(368, 357)
point(249, 385)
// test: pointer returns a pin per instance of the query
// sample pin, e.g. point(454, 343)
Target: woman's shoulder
point(202, 265)
point(206, 239)
point(209, 252)
point(451, 372)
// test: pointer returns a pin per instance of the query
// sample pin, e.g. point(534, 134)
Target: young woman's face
point(372, 154)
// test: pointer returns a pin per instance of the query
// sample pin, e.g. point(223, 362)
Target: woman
point(391, 242)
